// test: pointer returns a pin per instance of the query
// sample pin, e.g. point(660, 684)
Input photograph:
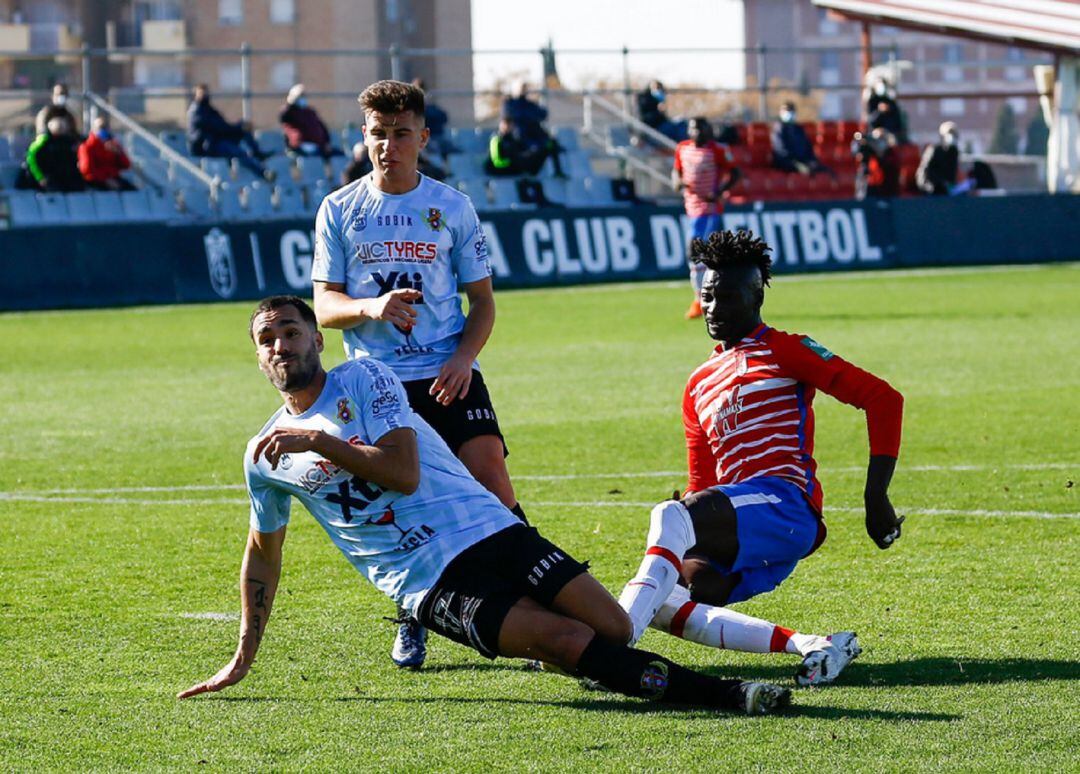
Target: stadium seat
point(53, 208)
point(175, 139)
point(24, 209)
point(290, 201)
point(618, 136)
point(465, 165)
point(196, 201)
point(162, 204)
point(282, 166)
point(316, 192)
point(153, 170)
point(337, 168)
point(228, 204)
point(180, 177)
point(476, 188)
point(470, 140)
point(135, 205)
point(351, 135)
point(18, 143)
point(567, 137)
point(9, 173)
point(311, 169)
point(109, 206)
point(270, 140)
point(215, 167)
point(504, 194)
point(742, 156)
point(260, 202)
point(5, 149)
point(761, 155)
point(846, 131)
point(554, 190)
point(139, 148)
point(81, 207)
point(576, 164)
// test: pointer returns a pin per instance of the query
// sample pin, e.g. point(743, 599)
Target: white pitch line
point(212, 616)
point(31, 497)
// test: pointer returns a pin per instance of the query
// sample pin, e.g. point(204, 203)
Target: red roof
point(1049, 25)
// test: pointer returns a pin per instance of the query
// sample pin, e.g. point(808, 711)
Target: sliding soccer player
point(753, 506)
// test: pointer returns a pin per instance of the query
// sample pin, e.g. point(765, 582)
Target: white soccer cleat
point(823, 666)
point(764, 698)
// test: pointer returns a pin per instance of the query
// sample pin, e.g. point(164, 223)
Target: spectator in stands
point(792, 149)
point(359, 166)
point(52, 159)
point(439, 142)
point(883, 112)
point(878, 172)
point(101, 159)
point(57, 107)
point(650, 106)
point(209, 134)
point(528, 119)
point(509, 155)
point(305, 133)
point(940, 163)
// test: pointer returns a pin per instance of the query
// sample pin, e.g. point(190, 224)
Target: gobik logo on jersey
point(727, 415)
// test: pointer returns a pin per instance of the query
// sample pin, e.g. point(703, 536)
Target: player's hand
point(395, 307)
point(453, 380)
point(882, 524)
point(230, 674)
point(283, 440)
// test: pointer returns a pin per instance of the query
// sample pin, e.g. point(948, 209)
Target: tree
point(1005, 138)
point(1038, 134)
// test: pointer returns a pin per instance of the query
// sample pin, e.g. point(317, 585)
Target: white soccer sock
point(720, 627)
point(671, 533)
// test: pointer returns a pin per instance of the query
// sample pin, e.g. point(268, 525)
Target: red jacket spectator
point(101, 158)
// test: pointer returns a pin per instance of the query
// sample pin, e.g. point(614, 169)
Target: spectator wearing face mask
point(305, 132)
point(650, 106)
point(792, 149)
point(940, 163)
point(57, 108)
point(883, 112)
point(101, 159)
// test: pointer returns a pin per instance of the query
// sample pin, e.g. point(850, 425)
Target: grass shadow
point(925, 671)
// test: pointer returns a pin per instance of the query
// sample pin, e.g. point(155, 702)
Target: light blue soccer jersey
point(401, 543)
point(428, 239)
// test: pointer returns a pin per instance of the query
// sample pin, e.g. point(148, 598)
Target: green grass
point(970, 623)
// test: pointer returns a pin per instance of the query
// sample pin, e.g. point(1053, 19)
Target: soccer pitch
point(124, 518)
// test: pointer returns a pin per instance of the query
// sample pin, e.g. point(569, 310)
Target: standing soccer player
point(405, 513)
point(392, 252)
point(753, 506)
point(703, 171)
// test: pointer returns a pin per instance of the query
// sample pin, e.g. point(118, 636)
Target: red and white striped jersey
point(748, 410)
point(702, 169)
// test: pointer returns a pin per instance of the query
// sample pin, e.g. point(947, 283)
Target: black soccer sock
point(650, 676)
point(518, 511)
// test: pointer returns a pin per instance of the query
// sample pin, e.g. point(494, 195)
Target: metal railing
point(594, 104)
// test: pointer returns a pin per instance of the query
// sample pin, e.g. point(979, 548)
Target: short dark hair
point(390, 97)
point(307, 314)
point(731, 248)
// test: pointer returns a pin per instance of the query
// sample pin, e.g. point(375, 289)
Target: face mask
point(950, 140)
point(60, 100)
point(302, 102)
point(659, 95)
point(879, 89)
point(104, 135)
point(786, 116)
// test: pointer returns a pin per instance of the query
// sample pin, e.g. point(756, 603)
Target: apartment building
point(973, 79)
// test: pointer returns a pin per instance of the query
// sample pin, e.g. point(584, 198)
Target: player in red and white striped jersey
point(753, 505)
point(703, 171)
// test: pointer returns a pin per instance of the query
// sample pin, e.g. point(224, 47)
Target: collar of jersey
point(753, 336)
point(374, 189)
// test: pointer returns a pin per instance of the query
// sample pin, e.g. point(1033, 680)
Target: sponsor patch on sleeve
point(816, 348)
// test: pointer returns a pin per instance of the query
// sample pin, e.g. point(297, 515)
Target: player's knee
point(670, 526)
point(564, 641)
point(617, 628)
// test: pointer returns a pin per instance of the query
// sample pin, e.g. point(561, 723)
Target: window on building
point(952, 56)
point(953, 106)
point(826, 26)
point(830, 68)
point(230, 77)
point(1016, 69)
point(282, 11)
point(283, 74)
point(832, 106)
point(158, 73)
point(1018, 104)
point(230, 13)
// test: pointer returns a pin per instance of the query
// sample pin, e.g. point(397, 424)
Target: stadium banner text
point(87, 266)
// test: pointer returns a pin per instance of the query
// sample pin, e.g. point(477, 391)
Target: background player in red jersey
point(703, 171)
point(753, 504)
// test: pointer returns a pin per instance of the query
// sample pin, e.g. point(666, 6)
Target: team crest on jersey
point(358, 221)
point(727, 415)
point(344, 411)
point(654, 679)
point(434, 218)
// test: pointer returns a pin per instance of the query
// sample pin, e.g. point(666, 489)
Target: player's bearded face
point(288, 350)
point(731, 300)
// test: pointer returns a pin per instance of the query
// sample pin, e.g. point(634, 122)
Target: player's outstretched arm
point(456, 374)
point(259, 575)
point(334, 308)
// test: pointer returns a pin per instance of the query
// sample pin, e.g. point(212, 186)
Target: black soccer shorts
point(475, 592)
point(464, 419)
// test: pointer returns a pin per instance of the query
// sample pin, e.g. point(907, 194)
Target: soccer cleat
point(410, 644)
point(764, 698)
point(823, 666)
point(694, 311)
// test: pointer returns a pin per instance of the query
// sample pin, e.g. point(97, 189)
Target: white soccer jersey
point(402, 543)
point(428, 239)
